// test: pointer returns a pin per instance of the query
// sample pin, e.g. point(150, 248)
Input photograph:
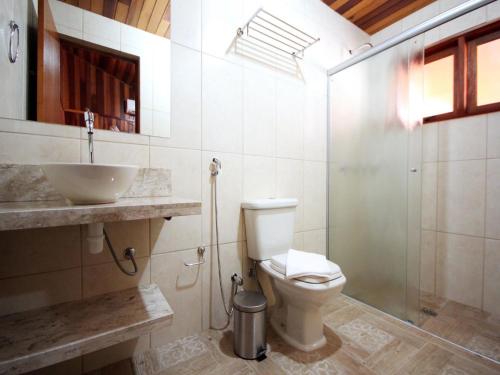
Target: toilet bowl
point(297, 315)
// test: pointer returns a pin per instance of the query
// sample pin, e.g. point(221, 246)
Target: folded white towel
point(300, 263)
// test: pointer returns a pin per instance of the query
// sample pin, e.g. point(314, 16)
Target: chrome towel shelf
point(270, 31)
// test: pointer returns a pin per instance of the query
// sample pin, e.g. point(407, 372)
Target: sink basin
point(90, 183)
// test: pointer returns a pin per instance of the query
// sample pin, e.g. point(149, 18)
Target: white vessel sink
point(90, 183)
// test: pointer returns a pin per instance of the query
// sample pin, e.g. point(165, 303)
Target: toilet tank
point(269, 225)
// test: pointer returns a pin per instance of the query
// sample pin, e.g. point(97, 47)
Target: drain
point(429, 311)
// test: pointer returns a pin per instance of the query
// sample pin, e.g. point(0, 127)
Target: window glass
point(438, 86)
point(488, 72)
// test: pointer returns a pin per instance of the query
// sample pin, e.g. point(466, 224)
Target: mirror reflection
point(62, 58)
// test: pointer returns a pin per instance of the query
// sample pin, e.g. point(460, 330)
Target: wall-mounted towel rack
point(271, 31)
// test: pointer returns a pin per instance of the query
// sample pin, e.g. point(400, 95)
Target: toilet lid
point(278, 263)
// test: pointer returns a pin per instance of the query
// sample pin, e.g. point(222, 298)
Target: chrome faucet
point(89, 122)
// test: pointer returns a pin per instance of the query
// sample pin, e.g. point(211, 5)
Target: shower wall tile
point(290, 184)
point(460, 268)
point(428, 261)
point(462, 23)
point(430, 142)
point(43, 289)
point(259, 112)
point(35, 251)
point(494, 135)
point(461, 197)
point(429, 195)
point(222, 103)
point(491, 301)
point(314, 195)
point(463, 139)
point(298, 241)
point(314, 128)
point(493, 11)
point(493, 199)
point(182, 286)
point(259, 177)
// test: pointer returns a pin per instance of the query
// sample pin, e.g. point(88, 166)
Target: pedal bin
point(249, 337)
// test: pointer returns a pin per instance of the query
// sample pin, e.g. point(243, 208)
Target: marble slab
point(27, 182)
point(41, 214)
point(38, 338)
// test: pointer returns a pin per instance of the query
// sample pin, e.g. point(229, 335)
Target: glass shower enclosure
point(374, 162)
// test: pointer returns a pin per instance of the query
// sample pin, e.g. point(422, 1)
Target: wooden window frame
point(464, 49)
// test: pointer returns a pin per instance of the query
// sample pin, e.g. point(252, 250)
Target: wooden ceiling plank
point(163, 27)
point(97, 6)
point(395, 16)
point(362, 9)
point(146, 11)
point(157, 15)
point(351, 3)
point(84, 4)
point(337, 4)
point(389, 7)
point(134, 12)
point(110, 8)
point(121, 12)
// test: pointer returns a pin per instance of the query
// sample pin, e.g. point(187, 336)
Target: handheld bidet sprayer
point(215, 167)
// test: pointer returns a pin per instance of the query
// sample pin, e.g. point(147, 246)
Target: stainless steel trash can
point(249, 337)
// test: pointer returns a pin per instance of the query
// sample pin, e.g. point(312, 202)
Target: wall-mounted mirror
point(59, 58)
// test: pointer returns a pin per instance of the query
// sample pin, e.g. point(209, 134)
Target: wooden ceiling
point(148, 15)
point(374, 15)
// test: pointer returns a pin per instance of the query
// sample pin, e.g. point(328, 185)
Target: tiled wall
point(460, 252)
point(267, 128)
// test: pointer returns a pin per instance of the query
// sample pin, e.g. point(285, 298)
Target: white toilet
point(297, 315)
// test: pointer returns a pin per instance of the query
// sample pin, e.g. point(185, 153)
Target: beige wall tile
point(259, 113)
point(493, 198)
point(298, 241)
point(429, 195)
point(44, 289)
point(117, 153)
point(180, 233)
point(182, 287)
point(32, 149)
point(115, 353)
point(315, 128)
point(315, 241)
point(259, 177)
point(491, 302)
point(39, 250)
point(463, 139)
point(231, 262)
point(461, 197)
point(428, 261)
point(230, 195)
point(290, 184)
point(459, 274)
point(122, 235)
point(38, 128)
point(314, 195)
point(107, 277)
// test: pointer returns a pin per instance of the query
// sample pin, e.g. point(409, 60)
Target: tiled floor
point(361, 340)
point(464, 325)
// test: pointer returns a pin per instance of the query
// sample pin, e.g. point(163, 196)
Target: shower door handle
point(413, 170)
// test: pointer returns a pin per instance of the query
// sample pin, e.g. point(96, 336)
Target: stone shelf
point(41, 337)
point(41, 214)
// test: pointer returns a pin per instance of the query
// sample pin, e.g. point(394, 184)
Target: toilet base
point(293, 342)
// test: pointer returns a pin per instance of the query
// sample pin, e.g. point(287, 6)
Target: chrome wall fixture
point(13, 46)
point(271, 31)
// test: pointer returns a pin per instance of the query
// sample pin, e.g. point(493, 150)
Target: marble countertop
point(41, 337)
point(40, 214)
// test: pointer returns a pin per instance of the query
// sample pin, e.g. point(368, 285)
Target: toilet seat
point(278, 263)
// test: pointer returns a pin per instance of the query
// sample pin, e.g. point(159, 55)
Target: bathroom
point(400, 190)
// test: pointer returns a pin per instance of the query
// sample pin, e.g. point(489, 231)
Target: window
point(462, 75)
